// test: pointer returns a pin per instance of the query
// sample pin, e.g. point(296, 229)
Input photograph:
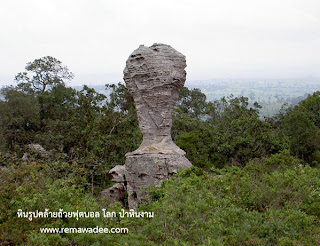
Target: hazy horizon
point(96, 80)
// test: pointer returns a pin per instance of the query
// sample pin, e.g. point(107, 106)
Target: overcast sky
point(220, 38)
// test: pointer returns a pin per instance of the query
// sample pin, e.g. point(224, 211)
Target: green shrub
point(232, 206)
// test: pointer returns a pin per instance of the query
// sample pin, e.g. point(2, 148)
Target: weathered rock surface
point(36, 149)
point(117, 174)
point(144, 170)
point(154, 76)
point(116, 192)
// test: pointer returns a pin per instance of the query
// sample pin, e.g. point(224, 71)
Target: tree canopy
point(42, 74)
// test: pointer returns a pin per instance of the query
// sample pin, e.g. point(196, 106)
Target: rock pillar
point(154, 76)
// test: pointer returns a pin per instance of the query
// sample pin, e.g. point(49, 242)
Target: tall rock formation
point(154, 76)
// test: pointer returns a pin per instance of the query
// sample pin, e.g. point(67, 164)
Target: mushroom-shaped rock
point(154, 76)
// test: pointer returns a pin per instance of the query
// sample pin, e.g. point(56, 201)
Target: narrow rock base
point(146, 169)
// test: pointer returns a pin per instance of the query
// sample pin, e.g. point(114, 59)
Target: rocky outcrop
point(116, 192)
point(154, 76)
point(144, 170)
point(117, 174)
point(35, 150)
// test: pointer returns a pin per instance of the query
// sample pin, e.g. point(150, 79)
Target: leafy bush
point(238, 207)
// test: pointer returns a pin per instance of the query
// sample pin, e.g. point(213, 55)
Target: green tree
point(303, 134)
point(231, 133)
point(192, 102)
point(42, 74)
point(300, 124)
point(312, 105)
point(19, 118)
point(59, 105)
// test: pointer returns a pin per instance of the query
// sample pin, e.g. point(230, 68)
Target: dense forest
point(253, 182)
